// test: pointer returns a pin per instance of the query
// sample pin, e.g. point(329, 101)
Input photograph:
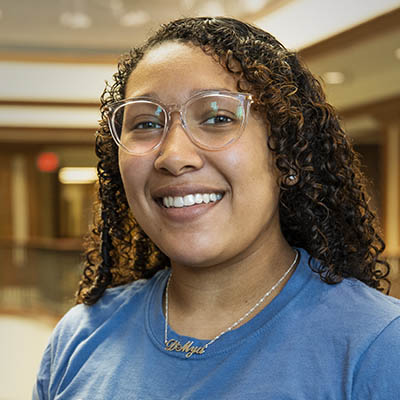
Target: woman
point(235, 255)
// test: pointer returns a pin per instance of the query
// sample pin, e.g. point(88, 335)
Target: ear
point(291, 179)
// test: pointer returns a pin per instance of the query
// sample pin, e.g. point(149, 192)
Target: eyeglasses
point(211, 119)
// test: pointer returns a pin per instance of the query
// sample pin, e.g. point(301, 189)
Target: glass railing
point(39, 276)
point(43, 275)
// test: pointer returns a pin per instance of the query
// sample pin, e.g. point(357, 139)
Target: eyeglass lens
point(211, 121)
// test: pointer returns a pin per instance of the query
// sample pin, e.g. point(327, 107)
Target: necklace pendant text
point(188, 348)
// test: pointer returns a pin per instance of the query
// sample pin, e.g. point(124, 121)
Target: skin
point(224, 255)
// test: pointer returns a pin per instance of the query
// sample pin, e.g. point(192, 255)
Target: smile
point(190, 199)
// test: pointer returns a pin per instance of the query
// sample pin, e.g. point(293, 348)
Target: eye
point(148, 125)
point(218, 119)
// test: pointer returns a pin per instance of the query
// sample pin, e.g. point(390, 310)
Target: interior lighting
point(134, 18)
point(75, 20)
point(253, 6)
point(76, 17)
point(77, 175)
point(188, 3)
point(211, 8)
point(333, 77)
point(117, 7)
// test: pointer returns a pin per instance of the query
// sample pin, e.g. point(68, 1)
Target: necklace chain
point(188, 348)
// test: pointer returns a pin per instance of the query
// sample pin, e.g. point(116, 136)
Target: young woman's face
point(246, 218)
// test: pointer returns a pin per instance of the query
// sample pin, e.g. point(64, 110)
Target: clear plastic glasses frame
point(221, 106)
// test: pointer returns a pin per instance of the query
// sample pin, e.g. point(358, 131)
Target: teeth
point(198, 198)
point(178, 201)
point(190, 199)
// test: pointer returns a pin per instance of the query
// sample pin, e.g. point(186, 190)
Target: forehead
point(178, 69)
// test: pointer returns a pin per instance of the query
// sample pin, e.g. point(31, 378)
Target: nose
point(178, 154)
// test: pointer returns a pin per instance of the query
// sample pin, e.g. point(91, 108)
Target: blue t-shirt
point(313, 341)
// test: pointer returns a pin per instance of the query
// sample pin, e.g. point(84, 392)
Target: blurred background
point(55, 56)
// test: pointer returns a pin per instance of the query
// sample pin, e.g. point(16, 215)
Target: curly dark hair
point(325, 211)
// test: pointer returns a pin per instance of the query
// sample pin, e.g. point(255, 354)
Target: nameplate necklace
point(189, 347)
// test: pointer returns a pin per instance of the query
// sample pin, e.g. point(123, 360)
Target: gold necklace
point(188, 347)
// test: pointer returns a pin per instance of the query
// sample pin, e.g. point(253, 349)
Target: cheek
point(251, 164)
point(133, 174)
point(253, 176)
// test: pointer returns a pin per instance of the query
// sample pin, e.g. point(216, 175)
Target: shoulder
point(350, 299)
point(349, 312)
point(355, 299)
point(117, 303)
point(83, 328)
point(377, 371)
point(362, 325)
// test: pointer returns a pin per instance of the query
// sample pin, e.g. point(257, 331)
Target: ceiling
point(112, 26)
point(105, 25)
point(367, 55)
point(369, 60)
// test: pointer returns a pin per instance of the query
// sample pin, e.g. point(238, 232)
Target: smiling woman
point(202, 156)
point(232, 234)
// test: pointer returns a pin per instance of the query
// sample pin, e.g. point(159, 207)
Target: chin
point(195, 257)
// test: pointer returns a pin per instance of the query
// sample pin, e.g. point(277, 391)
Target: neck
point(203, 301)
